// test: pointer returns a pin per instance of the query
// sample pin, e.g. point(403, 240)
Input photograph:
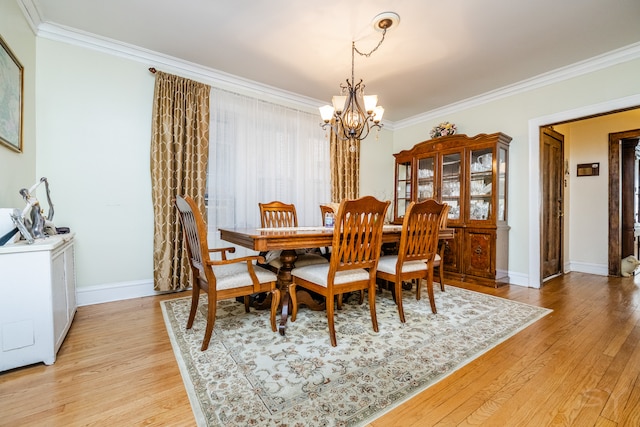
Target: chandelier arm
point(369, 127)
point(342, 136)
point(342, 133)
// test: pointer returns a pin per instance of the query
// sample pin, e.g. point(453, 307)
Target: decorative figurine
point(31, 221)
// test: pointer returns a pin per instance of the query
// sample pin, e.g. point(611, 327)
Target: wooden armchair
point(277, 215)
point(417, 251)
point(222, 279)
point(357, 239)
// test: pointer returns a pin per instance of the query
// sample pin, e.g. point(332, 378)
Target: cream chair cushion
point(387, 264)
point(236, 275)
point(318, 274)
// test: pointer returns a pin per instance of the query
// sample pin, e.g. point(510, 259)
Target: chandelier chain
point(384, 31)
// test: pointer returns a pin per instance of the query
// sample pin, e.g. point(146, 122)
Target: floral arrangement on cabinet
point(443, 129)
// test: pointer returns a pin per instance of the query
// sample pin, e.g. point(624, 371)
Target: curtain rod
point(153, 71)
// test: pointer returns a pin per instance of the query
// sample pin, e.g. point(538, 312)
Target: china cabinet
point(38, 301)
point(470, 175)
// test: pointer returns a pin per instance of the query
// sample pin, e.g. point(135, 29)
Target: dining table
point(288, 240)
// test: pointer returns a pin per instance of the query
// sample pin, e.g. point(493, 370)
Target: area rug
point(251, 376)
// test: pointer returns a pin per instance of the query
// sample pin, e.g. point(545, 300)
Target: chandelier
point(346, 116)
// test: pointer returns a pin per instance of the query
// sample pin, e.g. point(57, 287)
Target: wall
point(375, 173)
point(94, 133)
point(17, 170)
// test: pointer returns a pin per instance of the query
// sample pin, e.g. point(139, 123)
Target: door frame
point(535, 218)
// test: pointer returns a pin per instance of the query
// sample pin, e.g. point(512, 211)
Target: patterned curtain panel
point(179, 156)
point(345, 169)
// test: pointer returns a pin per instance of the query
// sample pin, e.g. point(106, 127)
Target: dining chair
point(417, 252)
point(439, 259)
point(277, 215)
point(324, 211)
point(223, 279)
point(356, 244)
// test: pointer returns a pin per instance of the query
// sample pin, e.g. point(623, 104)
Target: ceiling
point(442, 52)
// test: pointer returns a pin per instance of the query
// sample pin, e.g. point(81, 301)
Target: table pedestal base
point(288, 258)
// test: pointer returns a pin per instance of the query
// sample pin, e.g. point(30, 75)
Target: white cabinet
point(37, 299)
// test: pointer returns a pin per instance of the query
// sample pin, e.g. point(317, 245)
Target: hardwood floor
point(578, 366)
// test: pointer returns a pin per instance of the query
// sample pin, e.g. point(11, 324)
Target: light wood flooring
point(578, 366)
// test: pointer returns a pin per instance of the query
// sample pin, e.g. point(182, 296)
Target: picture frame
point(11, 90)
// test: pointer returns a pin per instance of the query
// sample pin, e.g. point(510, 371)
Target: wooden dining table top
point(266, 239)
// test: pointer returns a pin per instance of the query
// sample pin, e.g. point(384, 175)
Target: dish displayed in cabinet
point(479, 209)
point(480, 188)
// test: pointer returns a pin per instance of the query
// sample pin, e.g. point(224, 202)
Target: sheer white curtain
point(260, 152)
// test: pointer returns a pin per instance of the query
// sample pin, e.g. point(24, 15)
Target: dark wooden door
point(628, 174)
point(552, 169)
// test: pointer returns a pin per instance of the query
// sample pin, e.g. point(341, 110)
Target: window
point(259, 152)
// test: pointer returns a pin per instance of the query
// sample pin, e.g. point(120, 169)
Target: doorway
point(629, 103)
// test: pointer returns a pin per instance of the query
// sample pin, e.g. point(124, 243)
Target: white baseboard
point(98, 294)
point(519, 279)
point(88, 295)
point(585, 267)
point(581, 267)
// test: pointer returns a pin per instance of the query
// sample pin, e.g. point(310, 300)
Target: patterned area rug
point(252, 376)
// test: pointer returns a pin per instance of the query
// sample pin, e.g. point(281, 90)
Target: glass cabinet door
point(426, 169)
point(451, 179)
point(403, 188)
point(502, 184)
point(481, 184)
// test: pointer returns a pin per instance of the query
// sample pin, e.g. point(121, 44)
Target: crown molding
point(31, 13)
point(618, 56)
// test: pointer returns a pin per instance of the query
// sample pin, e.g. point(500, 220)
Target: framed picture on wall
point(10, 99)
